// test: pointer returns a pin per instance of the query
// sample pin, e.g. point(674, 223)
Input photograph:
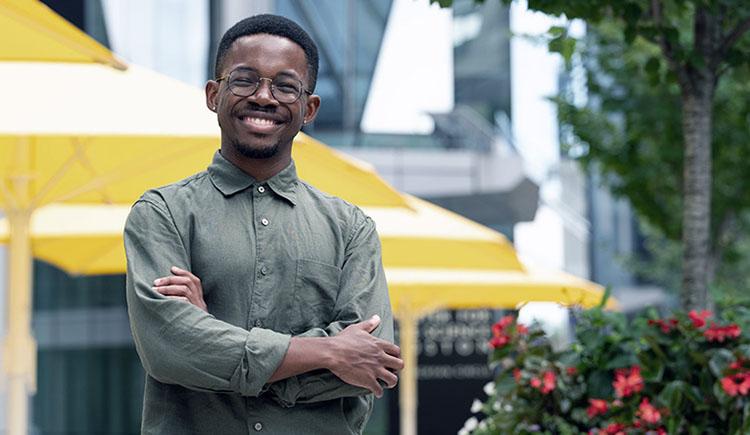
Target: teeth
point(260, 121)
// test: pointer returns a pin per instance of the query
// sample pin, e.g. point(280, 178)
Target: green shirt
point(276, 258)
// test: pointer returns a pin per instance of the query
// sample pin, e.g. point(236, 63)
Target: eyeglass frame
point(303, 89)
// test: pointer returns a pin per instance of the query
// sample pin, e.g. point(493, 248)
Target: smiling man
point(258, 303)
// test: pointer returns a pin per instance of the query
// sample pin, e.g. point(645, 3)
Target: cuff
point(264, 351)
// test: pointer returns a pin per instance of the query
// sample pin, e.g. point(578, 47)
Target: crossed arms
point(179, 342)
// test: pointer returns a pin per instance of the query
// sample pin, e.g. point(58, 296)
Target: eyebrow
point(281, 73)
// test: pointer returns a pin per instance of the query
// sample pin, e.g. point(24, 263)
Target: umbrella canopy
point(105, 126)
point(87, 239)
point(39, 34)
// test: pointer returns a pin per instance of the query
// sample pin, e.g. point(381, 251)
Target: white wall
point(414, 72)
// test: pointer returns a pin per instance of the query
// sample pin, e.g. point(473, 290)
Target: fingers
point(177, 281)
point(167, 280)
point(376, 389)
point(182, 272)
point(390, 348)
point(173, 290)
point(393, 363)
point(390, 379)
point(370, 324)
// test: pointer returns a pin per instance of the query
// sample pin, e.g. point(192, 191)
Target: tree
point(630, 129)
point(695, 43)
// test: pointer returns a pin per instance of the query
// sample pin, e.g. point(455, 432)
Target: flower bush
point(688, 373)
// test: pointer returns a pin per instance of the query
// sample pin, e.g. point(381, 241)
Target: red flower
point(615, 429)
point(665, 327)
point(647, 412)
point(522, 329)
point(499, 327)
point(721, 333)
point(535, 382)
point(699, 319)
point(499, 341)
point(572, 371)
point(736, 365)
point(736, 384)
point(596, 407)
point(627, 381)
point(549, 382)
point(517, 374)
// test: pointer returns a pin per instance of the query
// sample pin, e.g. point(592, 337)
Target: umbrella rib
point(95, 54)
point(123, 172)
point(8, 196)
point(86, 163)
point(58, 175)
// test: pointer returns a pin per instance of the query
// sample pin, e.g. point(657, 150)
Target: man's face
point(259, 126)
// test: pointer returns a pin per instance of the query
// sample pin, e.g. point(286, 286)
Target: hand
point(182, 285)
point(361, 359)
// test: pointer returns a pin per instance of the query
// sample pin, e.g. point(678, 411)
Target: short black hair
point(272, 25)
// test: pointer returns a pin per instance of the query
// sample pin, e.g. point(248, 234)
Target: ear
point(212, 95)
point(311, 108)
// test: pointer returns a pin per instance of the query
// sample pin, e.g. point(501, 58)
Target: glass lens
point(244, 83)
point(286, 90)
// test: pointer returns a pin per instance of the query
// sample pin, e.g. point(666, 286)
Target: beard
point(256, 153)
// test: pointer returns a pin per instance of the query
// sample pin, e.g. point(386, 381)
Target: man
point(289, 328)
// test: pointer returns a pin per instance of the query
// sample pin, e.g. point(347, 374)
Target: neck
point(260, 169)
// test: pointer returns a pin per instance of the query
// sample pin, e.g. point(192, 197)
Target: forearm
point(304, 354)
point(181, 344)
point(177, 342)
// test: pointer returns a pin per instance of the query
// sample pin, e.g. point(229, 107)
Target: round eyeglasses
point(244, 83)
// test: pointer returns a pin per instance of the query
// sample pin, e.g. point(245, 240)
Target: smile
point(260, 125)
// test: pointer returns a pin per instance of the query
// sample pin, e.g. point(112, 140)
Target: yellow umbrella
point(433, 259)
point(39, 34)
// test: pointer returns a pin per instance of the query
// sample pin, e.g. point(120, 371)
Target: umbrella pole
point(20, 347)
point(407, 321)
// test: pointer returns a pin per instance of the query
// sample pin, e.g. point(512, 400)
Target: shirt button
point(258, 324)
point(264, 221)
point(261, 189)
point(264, 270)
point(258, 426)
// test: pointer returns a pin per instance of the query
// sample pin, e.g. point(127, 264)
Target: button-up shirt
point(276, 259)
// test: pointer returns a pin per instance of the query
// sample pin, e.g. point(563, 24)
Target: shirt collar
point(230, 179)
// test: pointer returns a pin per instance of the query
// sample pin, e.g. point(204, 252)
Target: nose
point(263, 95)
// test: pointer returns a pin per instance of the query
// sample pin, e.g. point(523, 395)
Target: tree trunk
point(697, 113)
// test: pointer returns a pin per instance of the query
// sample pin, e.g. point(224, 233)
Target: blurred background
point(450, 105)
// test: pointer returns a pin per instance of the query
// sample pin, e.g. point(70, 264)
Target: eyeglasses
point(244, 83)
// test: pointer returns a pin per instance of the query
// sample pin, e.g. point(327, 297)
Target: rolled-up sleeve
point(177, 342)
point(363, 292)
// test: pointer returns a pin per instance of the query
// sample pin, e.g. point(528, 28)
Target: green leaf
point(504, 384)
point(653, 65)
point(630, 34)
point(672, 395)
point(621, 361)
point(720, 361)
point(632, 13)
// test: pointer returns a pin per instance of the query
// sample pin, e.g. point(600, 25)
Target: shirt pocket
point(316, 287)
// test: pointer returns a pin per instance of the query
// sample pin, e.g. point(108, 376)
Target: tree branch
point(729, 40)
point(666, 45)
